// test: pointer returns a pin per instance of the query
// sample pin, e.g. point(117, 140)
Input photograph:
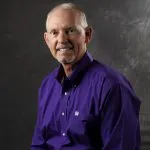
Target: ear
point(46, 37)
point(88, 34)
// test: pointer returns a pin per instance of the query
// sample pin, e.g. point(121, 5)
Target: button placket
point(63, 120)
point(64, 111)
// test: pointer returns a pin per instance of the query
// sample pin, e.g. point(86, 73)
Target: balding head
point(71, 7)
point(67, 33)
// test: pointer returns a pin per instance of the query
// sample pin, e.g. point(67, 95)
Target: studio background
point(121, 40)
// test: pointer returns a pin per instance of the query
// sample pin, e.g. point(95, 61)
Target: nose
point(62, 38)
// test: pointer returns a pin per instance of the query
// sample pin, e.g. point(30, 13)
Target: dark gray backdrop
point(121, 40)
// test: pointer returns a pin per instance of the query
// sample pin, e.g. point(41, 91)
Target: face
point(65, 36)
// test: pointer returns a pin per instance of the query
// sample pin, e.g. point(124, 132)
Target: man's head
point(67, 33)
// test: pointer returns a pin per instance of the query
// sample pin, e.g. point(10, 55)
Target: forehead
point(63, 18)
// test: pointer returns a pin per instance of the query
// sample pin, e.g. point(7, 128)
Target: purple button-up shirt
point(93, 109)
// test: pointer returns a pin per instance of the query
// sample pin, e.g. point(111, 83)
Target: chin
point(66, 61)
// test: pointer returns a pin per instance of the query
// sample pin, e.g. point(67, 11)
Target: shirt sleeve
point(120, 120)
point(38, 140)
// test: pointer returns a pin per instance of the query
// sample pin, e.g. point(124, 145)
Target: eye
point(71, 31)
point(53, 33)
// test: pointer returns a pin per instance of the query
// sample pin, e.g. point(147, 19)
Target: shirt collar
point(78, 70)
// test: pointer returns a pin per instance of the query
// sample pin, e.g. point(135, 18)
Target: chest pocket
point(80, 123)
point(85, 128)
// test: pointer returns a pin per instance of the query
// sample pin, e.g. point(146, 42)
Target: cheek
point(52, 46)
point(79, 41)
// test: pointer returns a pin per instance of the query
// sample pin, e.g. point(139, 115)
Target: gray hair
point(69, 6)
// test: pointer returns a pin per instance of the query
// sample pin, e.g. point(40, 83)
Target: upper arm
point(120, 122)
point(38, 139)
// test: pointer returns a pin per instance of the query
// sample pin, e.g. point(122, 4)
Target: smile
point(64, 49)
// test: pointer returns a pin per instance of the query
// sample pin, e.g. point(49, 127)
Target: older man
point(83, 104)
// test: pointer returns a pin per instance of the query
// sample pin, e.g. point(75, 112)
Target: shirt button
point(63, 134)
point(66, 93)
point(62, 113)
point(76, 113)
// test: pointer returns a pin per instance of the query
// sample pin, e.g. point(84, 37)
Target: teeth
point(64, 49)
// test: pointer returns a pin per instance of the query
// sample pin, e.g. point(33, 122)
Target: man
point(83, 104)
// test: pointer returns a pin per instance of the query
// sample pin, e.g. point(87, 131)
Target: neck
point(68, 69)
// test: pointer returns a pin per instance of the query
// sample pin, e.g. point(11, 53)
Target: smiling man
point(83, 104)
point(67, 35)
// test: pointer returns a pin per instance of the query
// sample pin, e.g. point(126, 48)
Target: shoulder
point(108, 75)
point(111, 85)
point(47, 82)
point(107, 80)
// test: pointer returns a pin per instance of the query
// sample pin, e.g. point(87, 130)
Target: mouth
point(64, 49)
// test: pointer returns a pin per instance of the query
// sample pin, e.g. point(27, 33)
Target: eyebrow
point(64, 28)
